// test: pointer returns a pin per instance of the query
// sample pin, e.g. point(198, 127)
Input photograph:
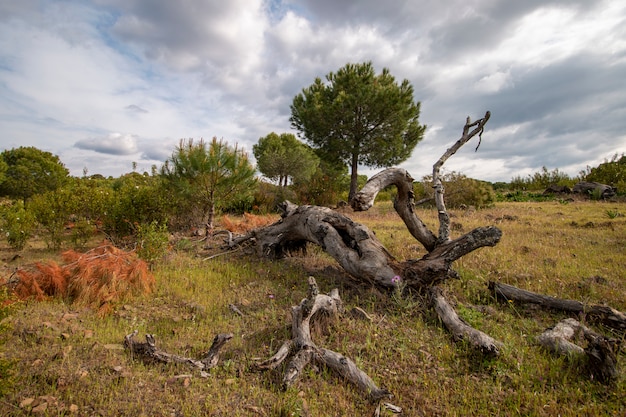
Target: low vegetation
point(65, 358)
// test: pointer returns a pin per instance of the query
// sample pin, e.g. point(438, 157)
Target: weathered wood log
point(604, 314)
point(557, 339)
point(352, 245)
point(600, 354)
point(591, 188)
point(460, 329)
point(303, 350)
point(148, 351)
point(359, 252)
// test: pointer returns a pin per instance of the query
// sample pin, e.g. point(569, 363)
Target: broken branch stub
point(444, 218)
point(600, 353)
point(148, 351)
point(303, 350)
point(460, 329)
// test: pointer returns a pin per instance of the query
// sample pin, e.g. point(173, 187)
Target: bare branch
point(606, 315)
point(148, 351)
point(304, 350)
point(459, 329)
point(444, 218)
point(404, 203)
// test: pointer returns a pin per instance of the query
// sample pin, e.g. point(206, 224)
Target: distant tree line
point(354, 118)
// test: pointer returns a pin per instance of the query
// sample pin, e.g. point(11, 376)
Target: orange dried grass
point(96, 278)
point(246, 223)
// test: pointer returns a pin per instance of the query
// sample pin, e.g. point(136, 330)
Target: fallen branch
point(600, 353)
point(149, 352)
point(459, 329)
point(303, 350)
point(604, 314)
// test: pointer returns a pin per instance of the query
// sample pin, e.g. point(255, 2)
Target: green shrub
point(18, 225)
point(52, 211)
point(541, 180)
point(82, 231)
point(611, 172)
point(459, 191)
point(267, 196)
point(137, 199)
point(152, 241)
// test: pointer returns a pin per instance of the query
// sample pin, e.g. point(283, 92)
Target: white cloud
point(113, 144)
point(550, 71)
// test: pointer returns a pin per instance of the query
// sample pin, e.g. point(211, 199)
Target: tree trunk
point(210, 220)
point(354, 175)
point(600, 354)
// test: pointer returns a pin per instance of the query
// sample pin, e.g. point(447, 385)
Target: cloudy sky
point(105, 83)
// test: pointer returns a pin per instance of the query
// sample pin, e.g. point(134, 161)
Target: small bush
point(52, 211)
point(613, 214)
point(152, 241)
point(459, 190)
point(18, 225)
point(82, 231)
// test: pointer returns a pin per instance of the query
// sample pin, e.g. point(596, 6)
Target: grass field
point(61, 359)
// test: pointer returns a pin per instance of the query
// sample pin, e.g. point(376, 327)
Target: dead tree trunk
point(359, 252)
point(604, 314)
point(357, 249)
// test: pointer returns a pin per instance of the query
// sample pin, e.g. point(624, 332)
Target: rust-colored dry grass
point(96, 278)
point(246, 222)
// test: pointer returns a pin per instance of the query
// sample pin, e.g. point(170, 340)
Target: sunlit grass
point(568, 250)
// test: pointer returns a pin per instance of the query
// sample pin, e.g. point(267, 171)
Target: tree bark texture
point(460, 330)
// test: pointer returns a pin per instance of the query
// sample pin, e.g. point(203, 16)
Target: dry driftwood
point(459, 329)
point(600, 353)
point(361, 254)
point(303, 350)
point(149, 352)
point(604, 314)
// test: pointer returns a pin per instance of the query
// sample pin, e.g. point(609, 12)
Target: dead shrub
point(97, 278)
point(246, 223)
